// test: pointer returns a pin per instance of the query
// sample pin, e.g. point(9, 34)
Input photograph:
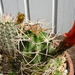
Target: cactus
point(8, 32)
point(38, 48)
point(33, 46)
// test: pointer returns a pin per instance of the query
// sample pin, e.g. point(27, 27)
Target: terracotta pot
point(70, 63)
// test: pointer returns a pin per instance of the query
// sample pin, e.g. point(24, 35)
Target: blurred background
point(35, 10)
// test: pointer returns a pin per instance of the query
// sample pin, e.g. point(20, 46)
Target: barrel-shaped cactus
point(35, 43)
point(37, 47)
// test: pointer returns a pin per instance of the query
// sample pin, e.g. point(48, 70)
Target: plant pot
point(70, 63)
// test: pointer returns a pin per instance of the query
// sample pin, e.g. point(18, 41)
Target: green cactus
point(35, 46)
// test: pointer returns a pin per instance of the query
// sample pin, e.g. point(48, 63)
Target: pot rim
point(70, 63)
